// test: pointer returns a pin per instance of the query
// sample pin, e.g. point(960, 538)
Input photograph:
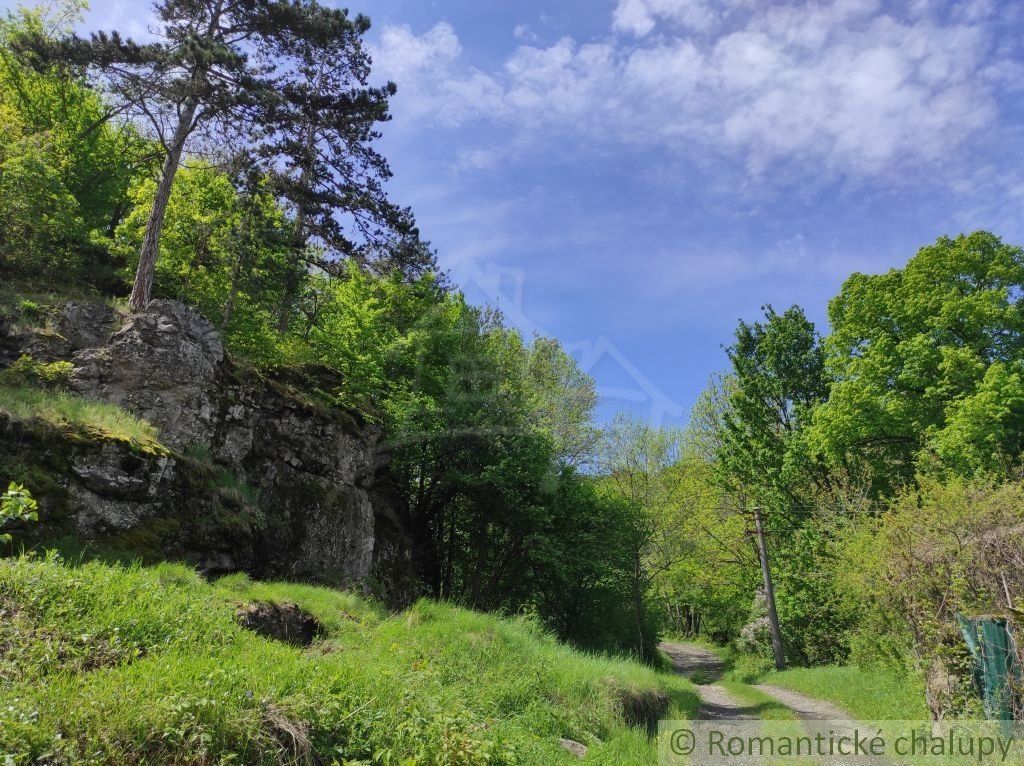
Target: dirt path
point(806, 708)
point(716, 704)
point(688, 659)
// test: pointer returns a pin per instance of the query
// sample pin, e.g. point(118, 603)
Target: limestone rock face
point(255, 477)
point(76, 326)
point(163, 365)
point(86, 325)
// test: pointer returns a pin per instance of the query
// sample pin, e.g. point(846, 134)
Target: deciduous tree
point(927, 362)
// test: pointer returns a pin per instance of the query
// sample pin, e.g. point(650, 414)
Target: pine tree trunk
point(143, 288)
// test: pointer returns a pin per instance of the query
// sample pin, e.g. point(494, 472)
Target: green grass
point(867, 693)
point(778, 720)
point(67, 411)
point(879, 696)
point(122, 665)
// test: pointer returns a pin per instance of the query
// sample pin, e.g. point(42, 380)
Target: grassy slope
point(104, 664)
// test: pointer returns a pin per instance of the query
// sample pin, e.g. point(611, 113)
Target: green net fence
point(996, 668)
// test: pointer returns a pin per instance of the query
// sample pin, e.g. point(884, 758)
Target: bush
point(942, 549)
point(26, 371)
point(16, 504)
point(39, 217)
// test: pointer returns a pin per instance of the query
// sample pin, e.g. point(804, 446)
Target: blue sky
point(633, 176)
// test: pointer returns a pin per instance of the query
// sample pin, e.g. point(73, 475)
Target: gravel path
point(716, 704)
point(806, 708)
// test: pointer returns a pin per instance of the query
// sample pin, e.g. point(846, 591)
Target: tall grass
point(128, 665)
point(64, 410)
point(867, 693)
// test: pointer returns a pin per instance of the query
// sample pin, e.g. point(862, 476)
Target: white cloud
point(841, 86)
point(431, 80)
point(402, 54)
point(640, 16)
point(525, 33)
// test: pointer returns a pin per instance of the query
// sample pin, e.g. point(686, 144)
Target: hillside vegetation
point(882, 455)
point(110, 664)
point(314, 279)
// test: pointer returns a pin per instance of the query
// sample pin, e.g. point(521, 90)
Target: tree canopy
point(285, 78)
point(926, 363)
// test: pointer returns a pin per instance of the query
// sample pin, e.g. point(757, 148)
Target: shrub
point(16, 504)
point(26, 371)
point(942, 549)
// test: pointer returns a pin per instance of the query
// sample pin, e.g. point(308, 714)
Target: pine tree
point(218, 67)
point(325, 166)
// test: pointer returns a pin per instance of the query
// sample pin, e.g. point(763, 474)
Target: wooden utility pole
point(769, 592)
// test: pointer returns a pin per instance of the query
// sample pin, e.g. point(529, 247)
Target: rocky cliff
point(250, 475)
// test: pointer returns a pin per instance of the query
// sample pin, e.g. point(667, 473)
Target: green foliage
point(808, 599)
point(16, 504)
point(982, 431)
point(926, 363)
point(703, 573)
point(753, 429)
point(26, 371)
point(776, 381)
point(641, 470)
point(39, 218)
point(920, 377)
point(64, 167)
point(946, 547)
point(222, 250)
point(365, 328)
point(149, 665)
point(481, 426)
point(286, 83)
point(581, 566)
point(561, 398)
